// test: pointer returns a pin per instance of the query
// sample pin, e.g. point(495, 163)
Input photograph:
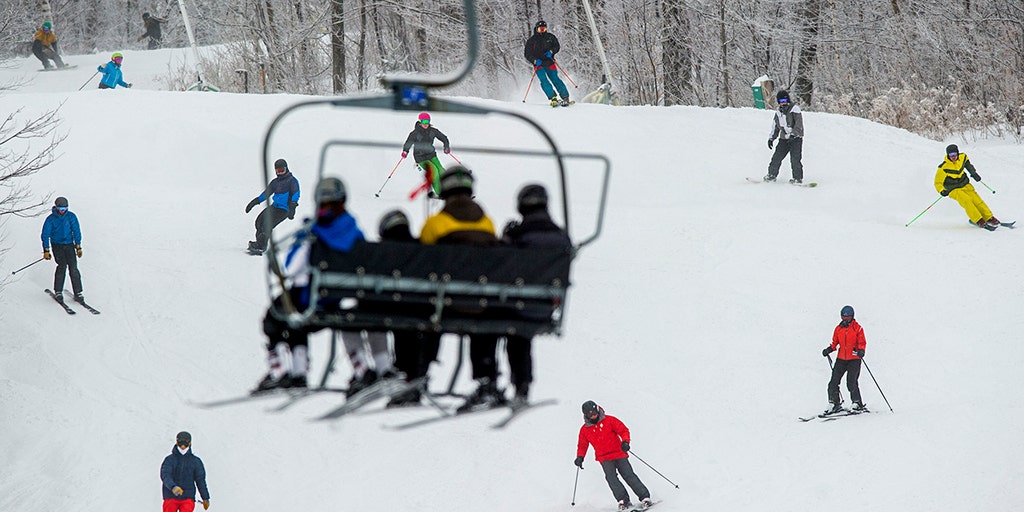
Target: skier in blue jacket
point(284, 198)
point(61, 230)
point(112, 76)
point(181, 473)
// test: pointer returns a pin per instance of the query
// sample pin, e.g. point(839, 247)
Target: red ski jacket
point(607, 436)
point(848, 339)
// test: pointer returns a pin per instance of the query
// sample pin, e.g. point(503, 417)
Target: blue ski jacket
point(284, 190)
point(61, 229)
point(185, 471)
point(111, 75)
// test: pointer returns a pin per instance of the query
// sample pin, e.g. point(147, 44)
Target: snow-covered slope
point(698, 318)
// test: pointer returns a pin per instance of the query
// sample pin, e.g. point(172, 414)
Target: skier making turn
point(421, 141)
point(540, 51)
point(610, 439)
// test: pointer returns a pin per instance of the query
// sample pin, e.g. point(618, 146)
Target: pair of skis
point(514, 410)
point(67, 309)
point(831, 416)
point(993, 228)
point(810, 184)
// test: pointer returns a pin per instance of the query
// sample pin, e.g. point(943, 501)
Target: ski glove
point(826, 351)
point(206, 504)
point(944, 193)
point(177, 491)
point(129, 85)
point(78, 251)
point(771, 142)
point(859, 353)
point(537, 62)
point(447, 151)
point(625, 446)
point(578, 462)
point(252, 204)
point(46, 254)
point(99, 69)
point(977, 177)
point(404, 154)
point(548, 54)
point(291, 209)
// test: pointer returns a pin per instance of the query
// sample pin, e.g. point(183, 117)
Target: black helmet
point(329, 190)
point(456, 179)
point(952, 150)
point(531, 197)
point(184, 438)
point(61, 202)
point(540, 24)
point(281, 164)
point(391, 220)
point(846, 311)
point(145, 15)
point(589, 408)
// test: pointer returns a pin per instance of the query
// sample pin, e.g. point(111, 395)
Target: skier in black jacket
point(421, 141)
point(540, 51)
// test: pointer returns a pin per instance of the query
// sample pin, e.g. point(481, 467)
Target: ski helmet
point(952, 149)
point(540, 24)
point(589, 408)
point(531, 197)
point(61, 202)
point(145, 15)
point(116, 55)
point(456, 179)
point(329, 190)
point(782, 95)
point(846, 311)
point(280, 163)
point(391, 220)
point(424, 117)
point(184, 438)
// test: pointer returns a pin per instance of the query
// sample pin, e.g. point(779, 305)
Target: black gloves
point(826, 351)
point(976, 176)
point(625, 446)
point(252, 204)
point(578, 462)
point(771, 143)
point(859, 353)
point(291, 209)
point(944, 193)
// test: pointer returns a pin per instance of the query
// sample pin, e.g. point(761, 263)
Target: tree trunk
point(809, 16)
point(338, 72)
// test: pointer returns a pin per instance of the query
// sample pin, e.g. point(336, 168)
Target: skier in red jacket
point(610, 439)
point(849, 337)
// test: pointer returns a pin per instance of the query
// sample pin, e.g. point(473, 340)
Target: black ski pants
point(483, 357)
point(851, 367)
point(794, 147)
point(276, 216)
point(414, 351)
point(624, 468)
point(67, 261)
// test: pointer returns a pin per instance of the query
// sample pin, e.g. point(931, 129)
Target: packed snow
point(697, 317)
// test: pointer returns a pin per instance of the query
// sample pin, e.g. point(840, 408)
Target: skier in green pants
point(421, 140)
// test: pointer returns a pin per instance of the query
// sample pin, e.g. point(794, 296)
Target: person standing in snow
point(287, 347)
point(536, 229)
point(951, 181)
point(44, 47)
point(540, 51)
point(181, 474)
point(62, 231)
point(284, 198)
point(421, 141)
point(153, 32)
point(610, 439)
point(849, 337)
point(788, 126)
point(112, 76)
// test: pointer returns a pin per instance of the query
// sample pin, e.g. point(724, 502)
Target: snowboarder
point(153, 32)
point(287, 347)
point(45, 47)
point(849, 337)
point(535, 230)
point(62, 231)
point(181, 473)
point(421, 141)
point(462, 221)
point(112, 76)
point(610, 439)
point(284, 192)
point(951, 180)
point(414, 350)
point(788, 126)
point(540, 51)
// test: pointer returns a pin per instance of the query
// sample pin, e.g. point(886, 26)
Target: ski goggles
point(425, 121)
point(783, 101)
point(62, 208)
point(953, 155)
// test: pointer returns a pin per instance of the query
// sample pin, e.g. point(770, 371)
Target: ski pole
point(453, 158)
point(89, 80)
point(560, 68)
point(876, 384)
point(652, 468)
point(531, 84)
point(986, 186)
point(27, 266)
point(922, 213)
point(389, 177)
point(829, 356)
point(574, 486)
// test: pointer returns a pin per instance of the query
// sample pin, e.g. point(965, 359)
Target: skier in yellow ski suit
point(951, 180)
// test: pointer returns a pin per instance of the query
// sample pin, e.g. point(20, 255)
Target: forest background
point(934, 68)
